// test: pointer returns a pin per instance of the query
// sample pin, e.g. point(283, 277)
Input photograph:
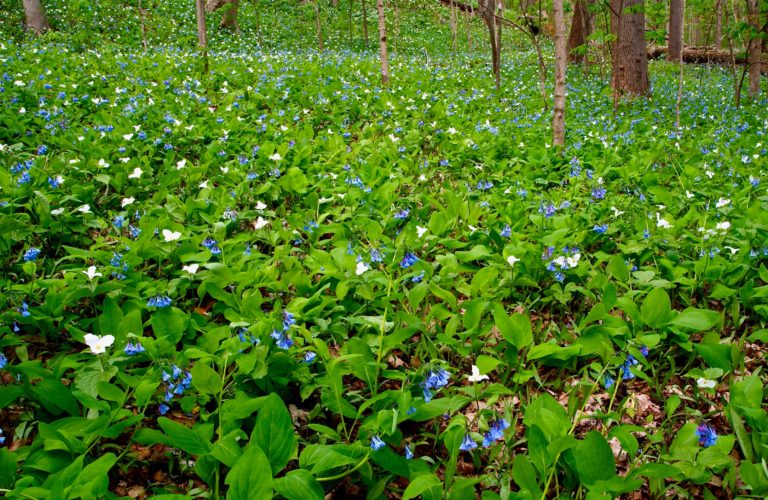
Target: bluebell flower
point(24, 310)
point(31, 254)
point(55, 182)
point(376, 255)
point(309, 357)
point(25, 178)
point(163, 409)
point(135, 231)
point(2, 438)
point(408, 260)
point(402, 214)
point(600, 228)
point(119, 221)
point(42, 149)
point(418, 278)
point(284, 341)
point(437, 379)
point(427, 394)
point(131, 349)
point(646, 234)
point(3, 361)
point(159, 301)
point(408, 452)
point(288, 320)
point(377, 443)
point(209, 243)
point(507, 231)
point(467, 443)
point(608, 381)
point(644, 350)
point(707, 435)
point(598, 193)
point(410, 411)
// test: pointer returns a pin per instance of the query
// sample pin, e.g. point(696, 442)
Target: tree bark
point(581, 29)
point(383, 42)
point(35, 16)
point(561, 63)
point(629, 68)
point(754, 49)
point(201, 32)
point(675, 44)
point(487, 10)
point(365, 23)
point(718, 24)
point(229, 19)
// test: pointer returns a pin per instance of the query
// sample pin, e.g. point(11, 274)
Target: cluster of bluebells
point(3, 361)
point(281, 337)
point(24, 310)
point(495, 433)
point(23, 168)
point(159, 301)
point(569, 259)
point(377, 443)
point(409, 259)
point(706, 435)
point(176, 383)
point(625, 371)
point(122, 267)
point(436, 379)
point(403, 214)
point(31, 254)
point(132, 349)
point(212, 245)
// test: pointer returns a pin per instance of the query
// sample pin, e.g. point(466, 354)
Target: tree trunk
point(334, 3)
point(754, 49)
point(454, 29)
point(581, 29)
point(561, 63)
point(319, 26)
point(35, 15)
point(365, 24)
point(629, 65)
point(675, 44)
point(229, 19)
point(383, 42)
point(487, 10)
point(201, 32)
point(718, 24)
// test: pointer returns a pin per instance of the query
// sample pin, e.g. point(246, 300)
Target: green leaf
point(273, 432)
point(420, 485)
point(593, 459)
point(483, 280)
point(251, 477)
point(486, 364)
point(516, 330)
point(7, 468)
point(299, 484)
point(524, 476)
point(205, 379)
point(696, 319)
point(716, 355)
point(656, 308)
point(169, 323)
point(110, 392)
point(361, 361)
point(183, 437)
point(111, 316)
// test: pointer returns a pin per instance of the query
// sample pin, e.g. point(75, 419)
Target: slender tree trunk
point(383, 42)
point(561, 63)
point(365, 23)
point(629, 68)
point(675, 43)
point(334, 3)
point(469, 31)
point(718, 24)
point(35, 16)
point(488, 13)
point(500, 10)
point(754, 49)
point(454, 29)
point(581, 29)
point(318, 26)
point(201, 32)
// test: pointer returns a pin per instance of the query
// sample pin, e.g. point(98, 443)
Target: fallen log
point(703, 55)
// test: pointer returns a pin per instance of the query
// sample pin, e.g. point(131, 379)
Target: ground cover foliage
point(282, 279)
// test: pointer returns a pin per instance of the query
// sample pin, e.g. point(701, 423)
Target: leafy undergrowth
point(282, 278)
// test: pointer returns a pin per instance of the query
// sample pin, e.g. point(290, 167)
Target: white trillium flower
point(191, 269)
point(660, 222)
point(97, 343)
point(125, 159)
point(260, 223)
point(57, 211)
point(723, 226)
point(204, 184)
point(276, 157)
point(127, 201)
point(476, 377)
point(573, 260)
point(421, 230)
point(689, 195)
point(722, 202)
point(91, 273)
point(181, 164)
point(512, 260)
point(136, 173)
point(260, 205)
point(128, 137)
point(102, 163)
point(706, 383)
point(84, 209)
point(169, 235)
point(361, 268)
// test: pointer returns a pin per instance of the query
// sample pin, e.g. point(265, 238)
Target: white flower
point(732, 250)
point(136, 173)
point(91, 273)
point(127, 201)
point(723, 226)
point(722, 202)
point(361, 268)
point(421, 230)
point(276, 157)
point(57, 211)
point(689, 195)
point(452, 131)
point(84, 208)
point(204, 184)
point(260, 222)
point(125, 159)
point(512, 259)
point(616, 211)
point(662, 222)
point(476, 377)
point(422, 177)
point(705, 383)
point(191, 269)
point(181, 164)
point(103, 163)
point(169, 235)
point(98, 344)
point(128, 137)
point(573, 260)
point(260, 205)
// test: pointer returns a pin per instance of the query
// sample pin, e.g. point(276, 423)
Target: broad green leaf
point(273, 432)
point(205, 379)
point(180, 436)
point(251, 476)
point(420, 484)
point(656, 308)
point(299, 484)
point(516, 330)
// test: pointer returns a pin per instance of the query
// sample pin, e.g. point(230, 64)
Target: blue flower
point(309, 357)
point(159, 301)
point(402, 214)
point(598, 193)
point(3, 361)
point(408, 260)
point(284, 341)
point(31, 254)
point(24, 310)
point(600, 229)
point(418, 278)
point(408, 452)
point(644, 350)
point(119, 221)
point(427, 394)
point(707, 435)
point(608, 381)
point(209, 243)
point(467, 443)
point(376, 255)
point(131, 349)
point(507, 231)
point(163, 409)
point(377, 443)
point(2, 438)
point(437, 379)
point(288, 320)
